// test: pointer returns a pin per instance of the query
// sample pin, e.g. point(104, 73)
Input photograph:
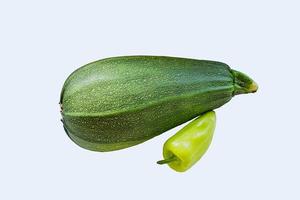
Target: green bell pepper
point(187, 146)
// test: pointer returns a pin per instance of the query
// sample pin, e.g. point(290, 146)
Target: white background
point(255, 151)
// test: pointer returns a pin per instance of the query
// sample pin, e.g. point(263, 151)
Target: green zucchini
point(119, 102)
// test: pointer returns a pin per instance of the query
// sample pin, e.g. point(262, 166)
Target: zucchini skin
point(119, 102)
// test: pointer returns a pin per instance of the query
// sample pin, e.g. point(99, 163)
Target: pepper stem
point(167, 160)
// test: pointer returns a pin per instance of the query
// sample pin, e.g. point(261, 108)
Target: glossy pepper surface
point(187, 146)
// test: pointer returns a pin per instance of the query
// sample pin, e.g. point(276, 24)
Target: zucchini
point(120, 102)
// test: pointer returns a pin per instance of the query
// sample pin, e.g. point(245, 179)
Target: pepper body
point(187, 146)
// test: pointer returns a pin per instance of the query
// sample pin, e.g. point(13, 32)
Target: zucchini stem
point(243, 84)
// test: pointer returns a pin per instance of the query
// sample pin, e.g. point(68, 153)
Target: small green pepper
point(187, 146)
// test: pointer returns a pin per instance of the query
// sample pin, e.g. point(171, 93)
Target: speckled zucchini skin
point(119, 102)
